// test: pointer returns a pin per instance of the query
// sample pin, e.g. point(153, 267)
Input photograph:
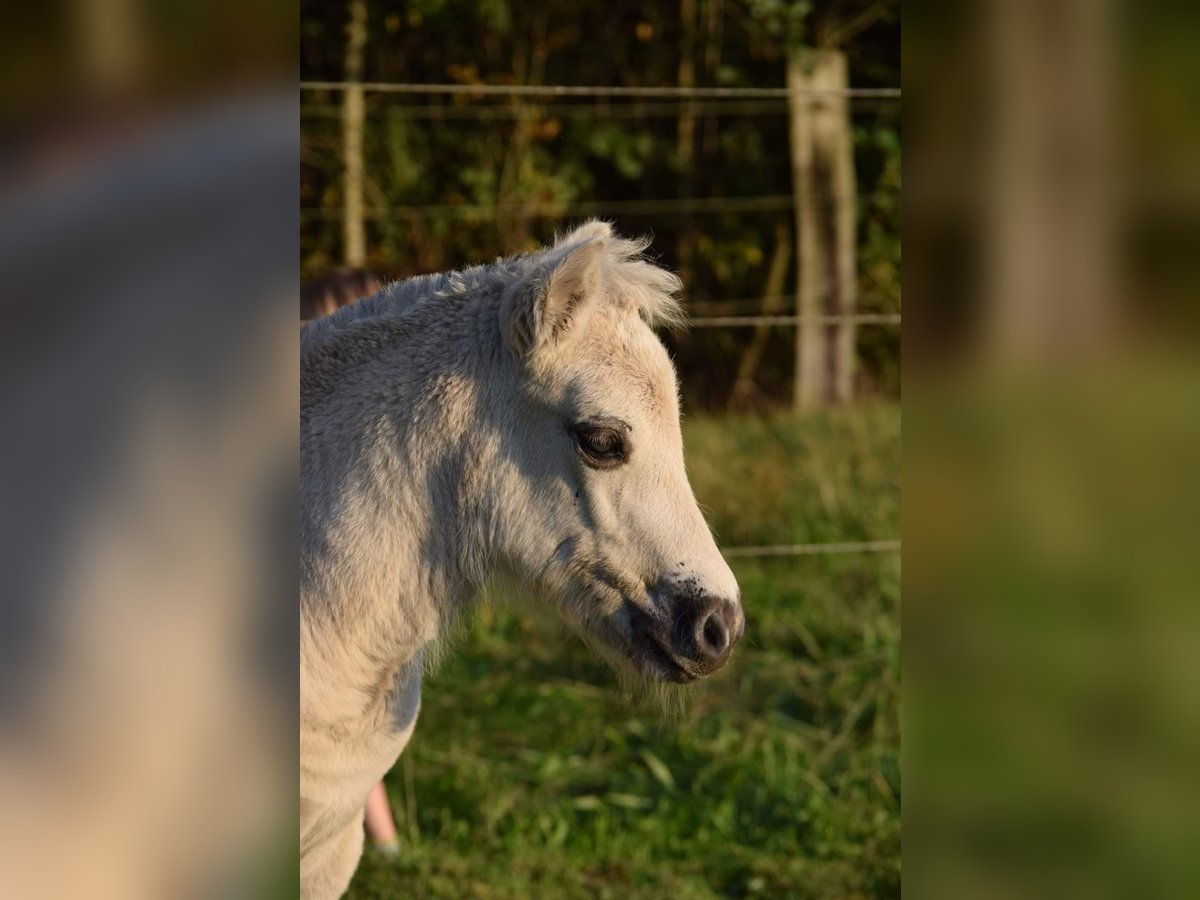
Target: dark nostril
point(715, 635)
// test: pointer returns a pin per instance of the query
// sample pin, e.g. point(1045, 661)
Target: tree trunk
point(354, 240)
point(714, 29)
point(686, 135)
point(826, 225)
point(810, 356)
point(743, 385)
point(1049, 226)
point(518, 170)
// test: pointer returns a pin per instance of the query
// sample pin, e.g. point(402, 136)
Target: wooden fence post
point(826, 225)
point(835, 146)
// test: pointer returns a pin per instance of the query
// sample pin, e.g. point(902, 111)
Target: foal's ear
point(544, 308)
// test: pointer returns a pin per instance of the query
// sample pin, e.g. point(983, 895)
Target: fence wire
point(754, 321)
point(828, 549)
point(779, 304)
point(571, 90)
point(677, 205)
point(477, 113)
point(635, 110)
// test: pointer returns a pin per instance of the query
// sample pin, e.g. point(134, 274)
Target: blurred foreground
point(149, 406)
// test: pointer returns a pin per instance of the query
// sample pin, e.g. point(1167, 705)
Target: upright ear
point(544, 308)
point(589, 230)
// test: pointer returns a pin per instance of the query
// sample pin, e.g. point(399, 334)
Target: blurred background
point(1052, 379)
point(759, 144)
point(439, 134)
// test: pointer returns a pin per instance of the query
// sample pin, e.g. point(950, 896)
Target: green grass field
point(528, 776)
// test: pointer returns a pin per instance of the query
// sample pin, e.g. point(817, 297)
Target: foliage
point(529, 777)
point(461, 158)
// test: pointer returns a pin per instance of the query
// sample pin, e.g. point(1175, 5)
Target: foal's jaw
point(652, 656)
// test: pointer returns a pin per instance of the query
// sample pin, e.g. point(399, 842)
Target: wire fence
point(636, 109)
point(598, 91)
point(743, 306)
point(832, 548)
point(673, 206)
point(755, 321)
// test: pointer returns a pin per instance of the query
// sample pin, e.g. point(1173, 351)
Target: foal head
point(596, 507)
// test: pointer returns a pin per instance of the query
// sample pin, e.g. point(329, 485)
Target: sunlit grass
point(528, 776)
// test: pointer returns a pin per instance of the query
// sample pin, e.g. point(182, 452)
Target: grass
point(528, 776)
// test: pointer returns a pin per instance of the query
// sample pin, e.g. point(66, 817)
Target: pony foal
point(517, 418)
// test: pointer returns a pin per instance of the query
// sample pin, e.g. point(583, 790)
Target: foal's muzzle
point(690, 637)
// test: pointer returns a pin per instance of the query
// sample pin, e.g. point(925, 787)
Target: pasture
point(529, 776)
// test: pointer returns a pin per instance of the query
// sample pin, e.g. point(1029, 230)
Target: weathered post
point(826, 224)
point(835, 148)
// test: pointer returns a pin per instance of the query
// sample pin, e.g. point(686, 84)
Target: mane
point(630, 279)
point(390, 301)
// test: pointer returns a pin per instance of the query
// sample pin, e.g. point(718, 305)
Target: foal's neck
point(396, 504)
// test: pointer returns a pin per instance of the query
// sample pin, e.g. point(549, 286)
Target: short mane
point(630, 280)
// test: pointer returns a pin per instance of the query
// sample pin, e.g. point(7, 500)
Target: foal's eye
point(601, 447)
